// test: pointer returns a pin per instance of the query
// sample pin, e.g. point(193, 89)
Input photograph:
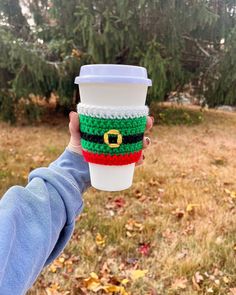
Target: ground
point(173, 232)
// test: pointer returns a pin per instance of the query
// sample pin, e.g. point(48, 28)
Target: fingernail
point(148, 140)
point(143, 157)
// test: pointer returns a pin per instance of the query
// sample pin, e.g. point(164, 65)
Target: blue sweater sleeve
point(37, 221)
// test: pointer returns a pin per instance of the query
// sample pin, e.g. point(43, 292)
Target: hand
point(75, 144)
point(146, 140)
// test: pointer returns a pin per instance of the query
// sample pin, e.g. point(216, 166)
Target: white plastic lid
point(109, 73)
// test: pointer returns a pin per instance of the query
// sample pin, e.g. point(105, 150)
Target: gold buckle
point(113, 132)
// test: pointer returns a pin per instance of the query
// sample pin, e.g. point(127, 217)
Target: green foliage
point(175, 40)
point(7, 108)
point(175, 115)
point(221, 78)
point(157, 68)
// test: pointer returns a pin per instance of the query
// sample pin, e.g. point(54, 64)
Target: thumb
point(74, 126)
point(74, 144)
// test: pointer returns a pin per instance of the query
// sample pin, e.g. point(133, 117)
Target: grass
point(181, 207)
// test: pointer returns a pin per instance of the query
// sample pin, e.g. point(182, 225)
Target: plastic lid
point(108, 73)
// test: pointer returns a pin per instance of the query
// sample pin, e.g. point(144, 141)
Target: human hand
point(146, 139)
point(75, 144)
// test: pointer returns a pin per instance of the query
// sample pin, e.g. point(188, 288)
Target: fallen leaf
point(153, 182)
point(210, 290)
point(124, 282)
point(61, 259)
point(144, 249)
point(226, 280)
point(53, 268)
point(117, 289)
point(105, 269)
point(128, 234)
point(178, 213)
point(182, 254)
point(93, 283)
point(198, 277)
point(232, 194)
point(161, 190)
point(180, 283)
point(50, 291)
point(53, 289)
point(132, 226)
point(100, 240)
point(195, 284)
point(137, 274)
point(191, 208)
point(119, 202)
point(138, 193)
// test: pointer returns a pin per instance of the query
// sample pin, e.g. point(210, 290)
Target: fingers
point(74, 143)
point(146, 142)
point(74, 125)
point(141, 160)
point(150, 121)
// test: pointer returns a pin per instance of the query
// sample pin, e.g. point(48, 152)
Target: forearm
point(38, 220)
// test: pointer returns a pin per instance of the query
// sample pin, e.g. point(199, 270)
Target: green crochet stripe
point(113, 123)
point(100, 131)
point(105, 149)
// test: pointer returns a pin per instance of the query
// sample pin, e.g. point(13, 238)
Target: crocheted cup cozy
point(112, 135)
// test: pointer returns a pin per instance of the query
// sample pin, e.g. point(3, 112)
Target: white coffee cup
point(112, 85)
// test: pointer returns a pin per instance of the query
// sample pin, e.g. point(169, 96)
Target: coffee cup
point(112, 120)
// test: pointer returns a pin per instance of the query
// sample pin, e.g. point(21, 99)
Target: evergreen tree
point(177, 40)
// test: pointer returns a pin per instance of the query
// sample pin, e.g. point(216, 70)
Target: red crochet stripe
point(116, 160)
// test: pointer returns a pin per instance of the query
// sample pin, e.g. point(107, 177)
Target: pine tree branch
point(198, 45)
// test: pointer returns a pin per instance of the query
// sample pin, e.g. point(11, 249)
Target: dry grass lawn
point(173, 232)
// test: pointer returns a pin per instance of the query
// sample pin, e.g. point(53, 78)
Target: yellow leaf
point(129, 235)
point(53, 268)
point(225, 279)
point(100, 241)
point(93, 283)
point(124, 282)
point(95, 287)
point(111, 288)
point(117, 289)
point(94, 275)
point(233, 195)
point(137, 274)
point(190, 207)
point(54, 286)
point(62, 260)
point(53, 289)
point(210, 290)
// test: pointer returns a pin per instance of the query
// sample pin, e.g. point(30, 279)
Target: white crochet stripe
point(111, 112)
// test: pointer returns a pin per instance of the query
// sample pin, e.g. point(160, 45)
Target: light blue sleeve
point(37, 221)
